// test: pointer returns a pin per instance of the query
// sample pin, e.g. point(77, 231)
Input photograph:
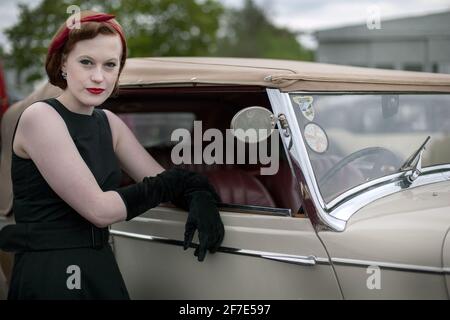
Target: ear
point(64, 63)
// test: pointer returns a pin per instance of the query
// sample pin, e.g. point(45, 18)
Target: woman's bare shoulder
point(39, 107)
point(37, 114)
point(40, 112)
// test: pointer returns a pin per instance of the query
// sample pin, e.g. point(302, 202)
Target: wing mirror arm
point(285, 127)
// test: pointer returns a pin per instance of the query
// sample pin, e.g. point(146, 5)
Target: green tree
point(153, 28)
point(248, 32)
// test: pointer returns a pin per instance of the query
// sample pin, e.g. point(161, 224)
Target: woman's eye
point(111, 64)
point(86, 62)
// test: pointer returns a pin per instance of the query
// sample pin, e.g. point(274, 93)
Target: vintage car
point(354, 202)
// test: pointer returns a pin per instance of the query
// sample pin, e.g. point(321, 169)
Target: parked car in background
point(358, 208)
point(3, 92)
point(3, 106)
point(3, 97)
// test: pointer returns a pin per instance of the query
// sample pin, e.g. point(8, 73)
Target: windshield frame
point(341, 208)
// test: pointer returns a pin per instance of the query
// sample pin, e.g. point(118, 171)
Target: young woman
point(66, 171)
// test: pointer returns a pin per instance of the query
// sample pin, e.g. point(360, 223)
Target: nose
point(97, 75)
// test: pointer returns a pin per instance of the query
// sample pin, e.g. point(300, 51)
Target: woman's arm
point(133, 157)
point(45, 138)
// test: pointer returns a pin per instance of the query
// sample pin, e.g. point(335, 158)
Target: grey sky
point(320, 14)
point(298, 15)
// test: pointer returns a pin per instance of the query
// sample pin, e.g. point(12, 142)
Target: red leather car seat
point(235, 186)
point(284, 188)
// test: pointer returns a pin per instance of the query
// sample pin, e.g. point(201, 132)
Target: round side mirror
point(253, 124)
point(389, 105)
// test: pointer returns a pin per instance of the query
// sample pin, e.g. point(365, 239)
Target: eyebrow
point(110, 59)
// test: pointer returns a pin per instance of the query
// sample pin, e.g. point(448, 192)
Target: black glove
point(171, 185)
point(188, 190)
point(204, 216)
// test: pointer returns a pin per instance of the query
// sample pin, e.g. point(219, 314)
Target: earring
point(64, 75)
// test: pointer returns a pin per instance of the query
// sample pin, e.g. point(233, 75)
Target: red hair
point(91, 24)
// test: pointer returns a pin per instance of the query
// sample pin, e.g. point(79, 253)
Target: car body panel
point(394, 284)
point(446, 260)
point(403, 234)
point(226, 274)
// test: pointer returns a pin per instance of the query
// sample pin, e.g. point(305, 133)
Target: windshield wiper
point(414, 162)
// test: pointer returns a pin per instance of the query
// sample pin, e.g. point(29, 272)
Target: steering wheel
point(391, 156)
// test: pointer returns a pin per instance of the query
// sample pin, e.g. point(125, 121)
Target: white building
point(419, 43)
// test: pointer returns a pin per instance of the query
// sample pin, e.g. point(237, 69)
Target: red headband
point(60, 39)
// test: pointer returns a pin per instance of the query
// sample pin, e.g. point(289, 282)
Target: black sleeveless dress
point(48, 273)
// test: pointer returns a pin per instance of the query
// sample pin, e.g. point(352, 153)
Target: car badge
point(305, 104)
point(315, 137)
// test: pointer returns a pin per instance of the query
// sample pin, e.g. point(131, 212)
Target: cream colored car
point(358, 207)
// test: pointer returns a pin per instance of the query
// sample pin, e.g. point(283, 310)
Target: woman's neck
point(74, 104)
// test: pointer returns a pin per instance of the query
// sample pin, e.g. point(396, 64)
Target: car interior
point(237, 184)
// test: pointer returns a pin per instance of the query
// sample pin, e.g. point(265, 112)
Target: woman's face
point(93, 64)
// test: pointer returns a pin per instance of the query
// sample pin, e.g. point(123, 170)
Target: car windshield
point(352, 139)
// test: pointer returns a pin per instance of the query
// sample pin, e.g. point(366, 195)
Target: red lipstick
point(95, 90)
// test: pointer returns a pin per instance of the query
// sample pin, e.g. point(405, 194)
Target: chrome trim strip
point(295, 259)
point(332, 93)
point(389, 265)
point(281, 212)
point(145, 237)
point(310, 260)
point(281, 103)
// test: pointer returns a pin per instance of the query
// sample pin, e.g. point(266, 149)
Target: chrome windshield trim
point(356, 201)
point(281, 103)
point(294, 259)
point(443, 170)
point(390, 265)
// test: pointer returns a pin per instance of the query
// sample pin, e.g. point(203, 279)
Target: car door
point(266, 254)
point(262, 257)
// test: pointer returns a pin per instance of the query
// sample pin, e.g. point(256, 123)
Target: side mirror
point(253, 124)
point(389, 105)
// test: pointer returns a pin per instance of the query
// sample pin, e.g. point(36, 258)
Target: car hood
point(408, 227)
point(426, 203)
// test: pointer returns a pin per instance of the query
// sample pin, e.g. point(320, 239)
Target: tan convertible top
point(282, 74)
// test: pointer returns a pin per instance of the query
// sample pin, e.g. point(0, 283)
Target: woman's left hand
point(204, 217)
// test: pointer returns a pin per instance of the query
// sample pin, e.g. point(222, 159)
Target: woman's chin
point(93, 99)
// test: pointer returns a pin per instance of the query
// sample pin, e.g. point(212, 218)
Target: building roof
point(414, 27)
